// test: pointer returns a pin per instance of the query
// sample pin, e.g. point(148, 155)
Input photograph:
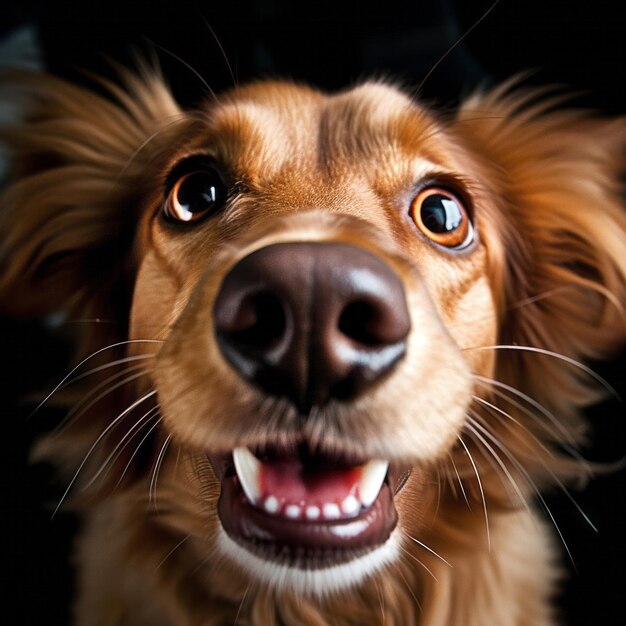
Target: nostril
point(358, 321)
point(259, 322)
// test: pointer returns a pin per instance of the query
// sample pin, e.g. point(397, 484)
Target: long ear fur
point(557, 179)
point(67, 223)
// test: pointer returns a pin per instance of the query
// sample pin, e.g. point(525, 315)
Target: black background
point(577, 44)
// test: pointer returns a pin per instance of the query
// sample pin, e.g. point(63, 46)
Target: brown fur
point(81, 235)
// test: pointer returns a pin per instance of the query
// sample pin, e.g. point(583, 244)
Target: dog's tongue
point(290, 480)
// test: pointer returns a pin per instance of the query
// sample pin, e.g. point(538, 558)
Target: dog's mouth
point(307, 510)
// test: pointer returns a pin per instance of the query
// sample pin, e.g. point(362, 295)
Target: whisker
point(418, 561)
point(509, 417)
point(556, 479)
point(531, 483)
point(152, 494)
point(242, 603)
point(456, 471)
point(454, 45)
point(219, 44)
point(91, 356)
point(480, 487)
point(406, 582)
point(419, 543)
point(555, 355)
point(548, 414)
point(471, 424)
point(145, 142)
point(100, 368)
point(134, 454)
point(97, 441)
point(169, 554)
point(119, 448)
point(188, 66)
point(81, 408)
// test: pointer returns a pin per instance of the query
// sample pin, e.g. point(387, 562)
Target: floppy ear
point(78, 163)
point(557, 182)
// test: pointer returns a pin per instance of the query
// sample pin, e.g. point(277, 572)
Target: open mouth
point(306, 510)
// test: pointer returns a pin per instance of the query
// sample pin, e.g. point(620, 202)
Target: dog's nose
point(312, 321)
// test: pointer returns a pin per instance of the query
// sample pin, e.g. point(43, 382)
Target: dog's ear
point(78, 161)
point(556, 177)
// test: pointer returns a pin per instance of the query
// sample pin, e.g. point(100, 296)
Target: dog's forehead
point(282, 123)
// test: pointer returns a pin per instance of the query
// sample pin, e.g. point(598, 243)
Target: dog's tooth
point(331, 510)
point(293, 511)
point(312, 512)
point(271, 504)
point(350, 505)
point(248, 469)
point(373, 475)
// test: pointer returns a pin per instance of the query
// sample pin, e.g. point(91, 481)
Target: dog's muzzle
point(309, 322)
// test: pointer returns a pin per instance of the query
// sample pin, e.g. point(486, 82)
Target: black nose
point(312, 321)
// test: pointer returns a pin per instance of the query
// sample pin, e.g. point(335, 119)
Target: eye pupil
point(195, 195)
point(197, 192)
point(440, 214)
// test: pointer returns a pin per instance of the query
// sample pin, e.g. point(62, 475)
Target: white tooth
point(271, 504)
point(312, 512)
point(331, 510)
point(293, 511)
point(248, 468)
point(350, 505)
point(372, 477)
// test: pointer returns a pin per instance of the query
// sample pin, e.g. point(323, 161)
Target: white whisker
point(472, 423)
point(169, 554)
point(152, 493)
point(554, 355)
point(480, 487)
point(97, 441)
point(91, 356)
point(531, 483)
point(458, 477)
point(418, 561)
point(419, 543)
point(548, 414)
point(557, 480)
point(119, 448)
point(134, 454)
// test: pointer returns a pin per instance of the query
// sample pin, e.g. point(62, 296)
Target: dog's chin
point(307, 522)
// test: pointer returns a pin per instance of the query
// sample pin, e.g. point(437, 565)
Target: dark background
point(330, 44)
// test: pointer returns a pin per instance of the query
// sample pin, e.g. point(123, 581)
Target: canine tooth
point(271, 504)
point(293, 511)
point(248, 468)
point(373, 475)
point(350, 505)
point(331, 510)
point(312, 512)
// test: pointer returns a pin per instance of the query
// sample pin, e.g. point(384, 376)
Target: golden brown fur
point(81, 235)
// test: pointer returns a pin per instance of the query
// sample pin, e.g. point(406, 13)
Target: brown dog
point(346, 344)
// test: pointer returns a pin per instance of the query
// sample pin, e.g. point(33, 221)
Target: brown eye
point(195, 195)
point(442, 217)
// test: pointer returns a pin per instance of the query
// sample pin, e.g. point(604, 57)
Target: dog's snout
point(312, 321)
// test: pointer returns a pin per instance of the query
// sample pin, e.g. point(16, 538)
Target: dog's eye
point(195, 195)
point(441, 216)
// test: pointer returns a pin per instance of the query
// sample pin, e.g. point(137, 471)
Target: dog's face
point(343, 308)
point(318, 272)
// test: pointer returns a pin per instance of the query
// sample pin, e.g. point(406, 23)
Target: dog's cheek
point(155, 304)
point(473, 324)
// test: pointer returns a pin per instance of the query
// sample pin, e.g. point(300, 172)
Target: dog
point(332, 348)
